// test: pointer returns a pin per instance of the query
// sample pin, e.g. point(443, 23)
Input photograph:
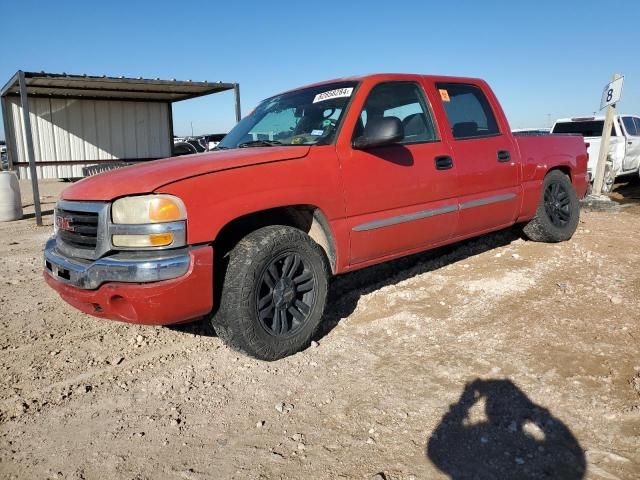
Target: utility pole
point(611, 95)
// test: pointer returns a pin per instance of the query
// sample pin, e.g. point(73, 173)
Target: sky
point(544, 59)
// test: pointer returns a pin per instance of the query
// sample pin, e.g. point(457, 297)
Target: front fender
point(214, 200)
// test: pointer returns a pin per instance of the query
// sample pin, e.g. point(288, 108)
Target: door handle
point(504, 156)
point(444, 162)
point(629, 143)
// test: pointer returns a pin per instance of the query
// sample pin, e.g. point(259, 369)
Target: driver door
point(398, 197)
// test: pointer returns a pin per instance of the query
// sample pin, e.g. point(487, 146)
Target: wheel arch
point(566, 169)
point(532, 190)
point(308, 218)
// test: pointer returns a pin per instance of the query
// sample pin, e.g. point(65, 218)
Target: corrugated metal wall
point(87, 130)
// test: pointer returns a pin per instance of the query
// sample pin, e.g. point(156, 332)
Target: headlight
point(148, 221)
point(148, 209)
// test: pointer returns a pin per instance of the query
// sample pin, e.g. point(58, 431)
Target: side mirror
point(380, 131)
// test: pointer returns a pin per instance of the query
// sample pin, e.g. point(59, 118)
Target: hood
point(149, 176)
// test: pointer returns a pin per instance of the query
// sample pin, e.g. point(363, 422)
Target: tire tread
point(540, 228)
point(234, 322)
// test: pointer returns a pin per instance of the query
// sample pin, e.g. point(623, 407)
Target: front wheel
point(274, 293)
point(558, 213)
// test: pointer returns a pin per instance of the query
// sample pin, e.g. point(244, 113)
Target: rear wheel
point(558, 213)
point(274, 293)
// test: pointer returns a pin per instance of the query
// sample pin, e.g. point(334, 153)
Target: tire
point(273, 294)
point(558, 213)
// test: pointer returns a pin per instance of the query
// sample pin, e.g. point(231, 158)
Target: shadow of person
point(495, 431)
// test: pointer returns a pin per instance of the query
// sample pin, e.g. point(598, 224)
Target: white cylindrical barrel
point(10, 202)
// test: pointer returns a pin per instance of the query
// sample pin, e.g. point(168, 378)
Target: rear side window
point(468, 111)
point(591, 128)
point(630, 126)
point(637, 122)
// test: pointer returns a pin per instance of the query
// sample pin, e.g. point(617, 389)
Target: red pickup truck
point(315, 182)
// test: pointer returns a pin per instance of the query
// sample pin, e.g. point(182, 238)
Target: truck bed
point(539, 153)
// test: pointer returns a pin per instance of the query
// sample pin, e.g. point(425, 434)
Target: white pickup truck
point(624, 149)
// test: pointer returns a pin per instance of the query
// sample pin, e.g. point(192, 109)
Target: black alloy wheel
point(273, 293)
point(285, 295)
point(557, 204)
point(558, 212)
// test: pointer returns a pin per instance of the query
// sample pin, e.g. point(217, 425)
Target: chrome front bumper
point(129, 267)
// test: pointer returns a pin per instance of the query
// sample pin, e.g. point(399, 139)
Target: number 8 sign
point(611, 93)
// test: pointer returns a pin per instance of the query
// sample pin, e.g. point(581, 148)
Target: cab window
point(630, 126)
point(468, 111)
point(405, 101)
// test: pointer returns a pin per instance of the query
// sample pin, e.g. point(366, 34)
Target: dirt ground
point(494, 358)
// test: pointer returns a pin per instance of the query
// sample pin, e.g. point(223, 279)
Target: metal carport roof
point(112, 88)
point(87, 87)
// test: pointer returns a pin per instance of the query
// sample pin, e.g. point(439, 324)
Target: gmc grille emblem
point(64, 223)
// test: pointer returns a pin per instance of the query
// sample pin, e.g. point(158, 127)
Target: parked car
point(354, 172)
point(624, 150)
point(213, 139)
point(188, 146)
point(191, 145)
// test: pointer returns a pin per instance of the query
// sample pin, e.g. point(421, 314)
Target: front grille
point(78, 229)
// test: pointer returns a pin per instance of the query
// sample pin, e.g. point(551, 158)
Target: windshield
point(303, 117)
point(591, 128)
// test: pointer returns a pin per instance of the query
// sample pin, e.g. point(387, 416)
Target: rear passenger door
point(485, 157)
point(632, 148)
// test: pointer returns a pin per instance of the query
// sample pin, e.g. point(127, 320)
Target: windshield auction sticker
point(337, 93)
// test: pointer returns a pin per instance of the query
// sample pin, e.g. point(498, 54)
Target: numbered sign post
point(610, 96)
point(612, 92)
